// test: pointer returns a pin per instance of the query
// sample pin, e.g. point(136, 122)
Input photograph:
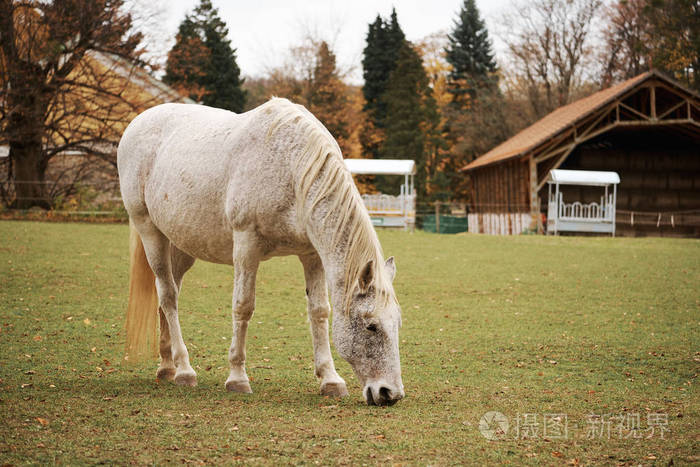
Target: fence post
point(437, 216)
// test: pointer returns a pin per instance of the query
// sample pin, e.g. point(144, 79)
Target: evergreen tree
point(329, 99)
point(470, 53)
point(202, 62)
point(384, 40)
point(411, 119)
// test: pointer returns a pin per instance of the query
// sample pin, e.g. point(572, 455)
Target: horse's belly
point(194, 221)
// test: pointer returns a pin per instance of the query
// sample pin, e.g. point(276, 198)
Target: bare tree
point(60, 95)
point(549, 47)
point(627, 51)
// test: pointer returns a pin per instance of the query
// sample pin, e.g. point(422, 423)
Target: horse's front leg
point(246, 258)
point(319, 309)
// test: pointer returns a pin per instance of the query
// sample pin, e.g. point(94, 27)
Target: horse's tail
point(142, 312)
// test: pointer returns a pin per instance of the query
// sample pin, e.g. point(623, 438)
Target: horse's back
point(200, 173)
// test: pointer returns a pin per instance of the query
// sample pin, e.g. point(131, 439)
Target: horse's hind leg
point(158, 252)
point(319, 308)
point(181, 263)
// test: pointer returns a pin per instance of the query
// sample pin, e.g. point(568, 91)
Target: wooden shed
point(647, 129)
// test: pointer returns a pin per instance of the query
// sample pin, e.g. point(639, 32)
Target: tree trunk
point(29, 170)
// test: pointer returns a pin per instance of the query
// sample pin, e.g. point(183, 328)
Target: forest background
point(441, 101)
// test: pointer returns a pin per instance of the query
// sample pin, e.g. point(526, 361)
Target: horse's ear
point(390, 268)
point(366, 277)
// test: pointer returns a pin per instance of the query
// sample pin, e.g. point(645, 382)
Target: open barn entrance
point(659, 168)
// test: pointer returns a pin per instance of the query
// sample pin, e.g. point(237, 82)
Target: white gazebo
point(577, 216)
point(384, 209)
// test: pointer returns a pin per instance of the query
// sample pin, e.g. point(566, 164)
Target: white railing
point(586, 212)
point(391, 211)
point(381, 204)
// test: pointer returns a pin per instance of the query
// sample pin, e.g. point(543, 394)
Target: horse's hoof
point(239, 386)
point(165, 374)
point(186, 379)
point(334, 389)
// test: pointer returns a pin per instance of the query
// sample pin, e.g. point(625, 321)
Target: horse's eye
point(372, 327)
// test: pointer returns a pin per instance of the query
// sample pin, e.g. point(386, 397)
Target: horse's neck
point(334, 247)
point(333, 258)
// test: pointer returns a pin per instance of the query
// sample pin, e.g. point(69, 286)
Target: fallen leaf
point(42, 421)
point(557, 454)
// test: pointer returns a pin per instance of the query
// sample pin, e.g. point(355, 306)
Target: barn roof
point(140, 78)
point(563, 119)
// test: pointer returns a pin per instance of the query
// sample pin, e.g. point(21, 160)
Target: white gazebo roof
point(381, 166)
point(583, 177)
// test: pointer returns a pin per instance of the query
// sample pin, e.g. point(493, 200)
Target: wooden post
point(534, 208)
point(437, 216)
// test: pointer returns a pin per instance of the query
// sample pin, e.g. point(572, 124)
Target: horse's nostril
point(384, 394)
point(370, 399)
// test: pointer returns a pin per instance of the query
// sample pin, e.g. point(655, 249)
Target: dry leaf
point(557, 454)
point(42, 421)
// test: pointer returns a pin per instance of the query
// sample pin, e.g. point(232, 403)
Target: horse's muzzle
point(381, 394)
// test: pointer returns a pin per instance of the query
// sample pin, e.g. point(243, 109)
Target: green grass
point(521, 325)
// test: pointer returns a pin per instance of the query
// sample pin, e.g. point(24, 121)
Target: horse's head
point(367, 336)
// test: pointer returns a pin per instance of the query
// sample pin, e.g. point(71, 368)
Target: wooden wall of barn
point(500, 199)
point(659, 192)
point(501, 187)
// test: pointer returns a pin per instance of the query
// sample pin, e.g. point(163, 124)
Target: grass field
point(589, 346)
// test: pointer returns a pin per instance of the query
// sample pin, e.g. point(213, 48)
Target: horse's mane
point(320, 166)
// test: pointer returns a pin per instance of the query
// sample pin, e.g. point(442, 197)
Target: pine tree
point(384, 40)
point(202, 62)
point(470, 53)
point(411, 119)
point(329, 98)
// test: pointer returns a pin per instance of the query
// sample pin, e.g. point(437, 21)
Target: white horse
point(238, 189)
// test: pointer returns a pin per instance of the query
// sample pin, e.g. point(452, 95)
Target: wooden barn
point(647, 129)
